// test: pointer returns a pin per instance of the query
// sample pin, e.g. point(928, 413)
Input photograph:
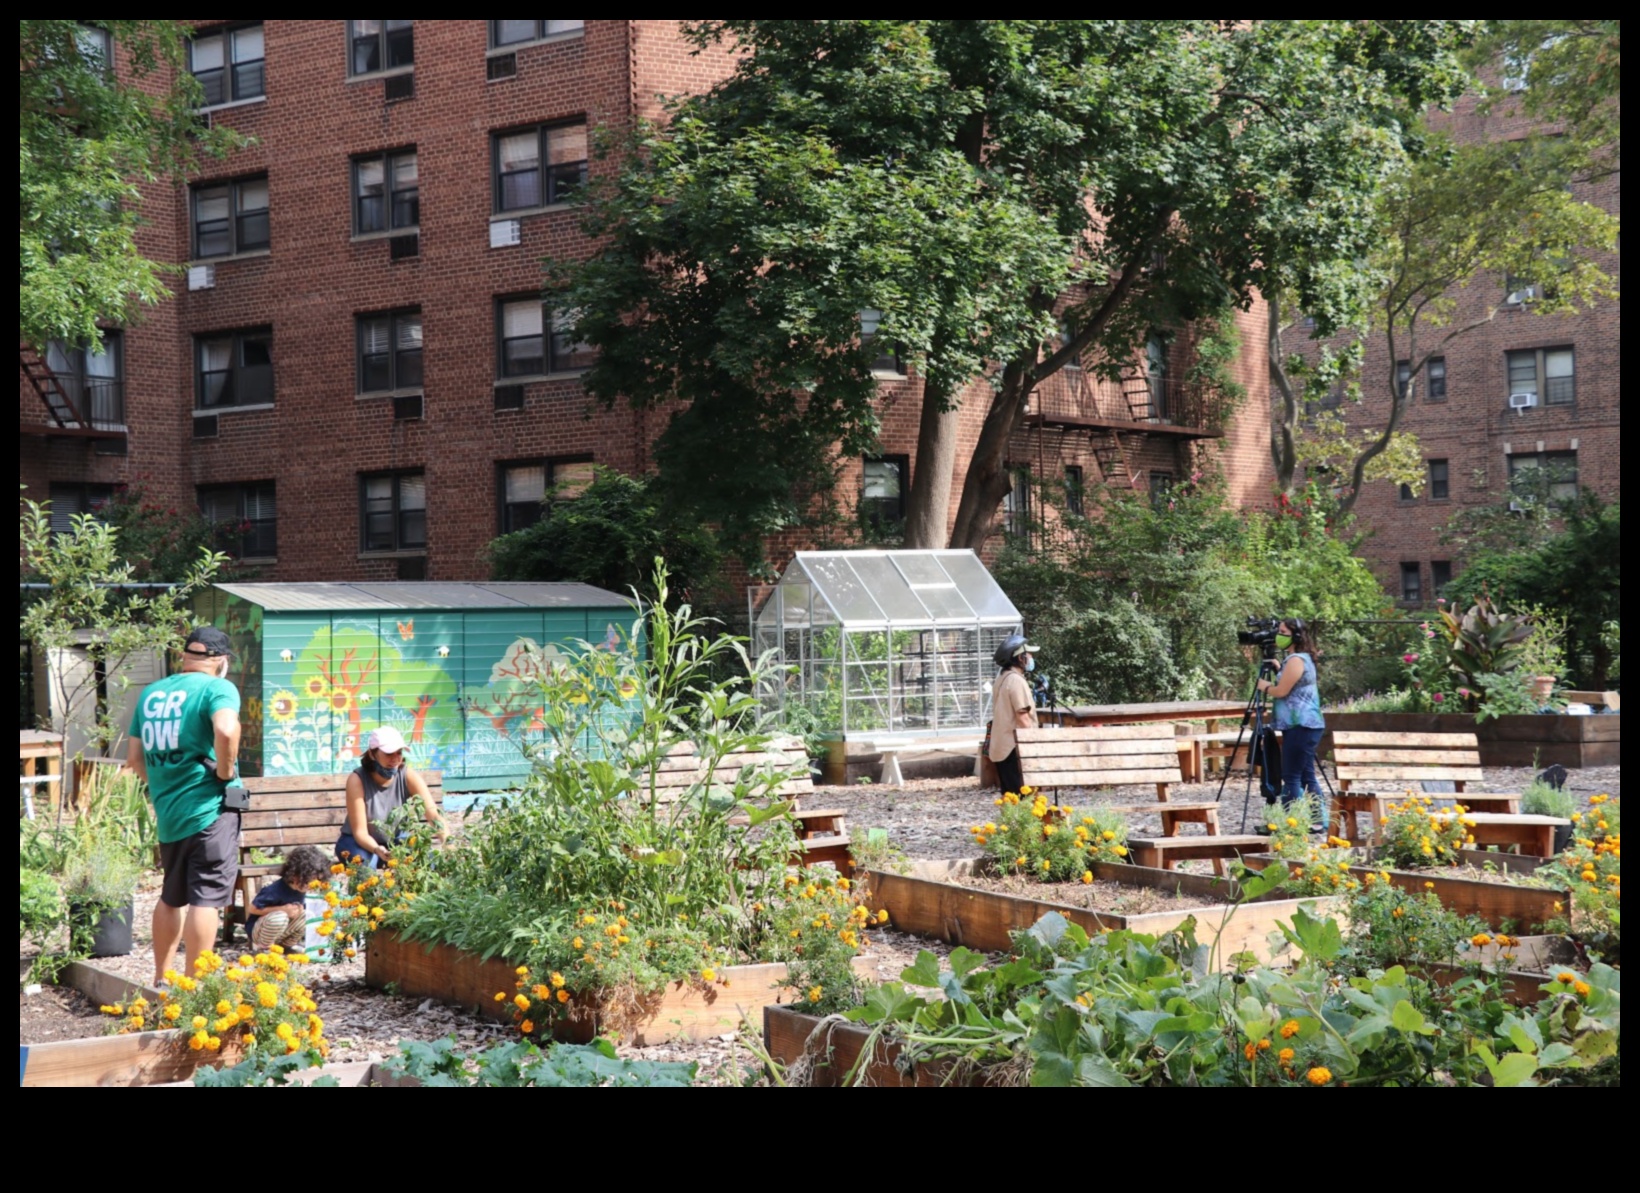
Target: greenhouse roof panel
point(874, 588)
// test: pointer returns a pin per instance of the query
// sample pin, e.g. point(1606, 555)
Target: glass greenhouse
point(885, 641)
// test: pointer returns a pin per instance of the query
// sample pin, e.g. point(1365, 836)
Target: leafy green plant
point(1415, 834)
point(1508, 695)
point(262, 1070)
point(520, 1063)
point(1389, 926)
point(1544, 653)
point(1484, 642)
point(1540, 799)
point(41, 910)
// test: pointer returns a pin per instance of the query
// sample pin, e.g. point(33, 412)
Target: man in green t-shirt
point(185, 743)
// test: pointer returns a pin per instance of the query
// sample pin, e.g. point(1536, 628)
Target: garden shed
point(451, 665)
point(886, 642)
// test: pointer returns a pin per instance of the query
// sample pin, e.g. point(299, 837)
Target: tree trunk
point(987, 481)
point(1282, 421)
point(929, 502)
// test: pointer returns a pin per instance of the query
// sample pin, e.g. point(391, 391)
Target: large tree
point(965, 179)
point(87, 137)
point(1460, 219)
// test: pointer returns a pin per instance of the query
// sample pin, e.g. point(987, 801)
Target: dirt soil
point(58, 1013)
point(1115, 897)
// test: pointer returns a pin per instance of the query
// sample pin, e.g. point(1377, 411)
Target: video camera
point(1261, 632)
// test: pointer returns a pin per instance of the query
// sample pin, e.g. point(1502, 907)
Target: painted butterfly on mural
point(407, 629)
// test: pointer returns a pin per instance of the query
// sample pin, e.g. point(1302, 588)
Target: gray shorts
point(200, 870)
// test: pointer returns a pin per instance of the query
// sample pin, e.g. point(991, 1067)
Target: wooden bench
point(1121, 755)
point(288, 810)
point(1524, 833)
point(1220, 746)
point(823, 831)
point(1377, 769)
point(1164, 853)
point(890, 749)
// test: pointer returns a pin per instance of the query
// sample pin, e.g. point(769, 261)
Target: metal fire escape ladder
point(59, 405)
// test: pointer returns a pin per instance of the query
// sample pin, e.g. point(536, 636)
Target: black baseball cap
point(214, 642)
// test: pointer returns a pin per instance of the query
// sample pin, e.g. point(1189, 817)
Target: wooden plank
point(1358, 737)
point(295, 818)
point(788, 1033)
point(1359, 756)
point(103, 987)
point(1158, 807)
point(1091, 733)
point(261, 838)
point(1408, 774)
point(1099, 778)
point(1145, 747)
point(1113, 764)
point(141, 1058)
point(268, 801)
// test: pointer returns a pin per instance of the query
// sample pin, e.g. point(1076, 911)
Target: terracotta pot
point(1543, 688)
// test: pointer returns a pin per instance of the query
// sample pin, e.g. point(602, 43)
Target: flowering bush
point(256, 1001)
point(1416, 834)
point(1048, 842)
point(1318, 869)
point(1593, 870)
point(371, 895)
point(1427, 671)
point(1389, 926)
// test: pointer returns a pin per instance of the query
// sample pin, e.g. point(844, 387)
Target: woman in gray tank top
point(380, 786)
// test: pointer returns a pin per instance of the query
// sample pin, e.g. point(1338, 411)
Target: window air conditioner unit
point(201, 277)
point(1522, 402)
point(1516, 507)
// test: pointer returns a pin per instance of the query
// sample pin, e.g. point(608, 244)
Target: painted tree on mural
point(956, 181)
point(357, 674)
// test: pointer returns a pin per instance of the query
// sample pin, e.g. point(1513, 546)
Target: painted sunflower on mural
point(316, 688)
point(282, 707)
point(339, 700)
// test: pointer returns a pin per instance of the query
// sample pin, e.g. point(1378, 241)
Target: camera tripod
point(1263, 752)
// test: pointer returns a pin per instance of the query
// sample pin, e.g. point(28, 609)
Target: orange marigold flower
point(1318, 1076)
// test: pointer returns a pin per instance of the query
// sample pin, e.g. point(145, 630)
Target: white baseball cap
point(386, 739)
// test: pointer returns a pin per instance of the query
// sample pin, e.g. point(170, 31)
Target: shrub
point(1415, 835)
point(1040, 840)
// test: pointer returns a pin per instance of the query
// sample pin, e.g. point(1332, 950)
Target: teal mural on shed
point(453, 666)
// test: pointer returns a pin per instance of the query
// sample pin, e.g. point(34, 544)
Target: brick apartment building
point(1523, 391)
point(357, 365)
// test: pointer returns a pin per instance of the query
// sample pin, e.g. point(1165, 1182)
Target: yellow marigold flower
point(1264, 1045)
point(882, 916)
point(1027, 789)
point(1429, 886)
point(285, 1031)
point(522, 1003)
point(1087, 878)
point(173, 1012)
point(563, 996)
point(501, 996)
point(197, 1042)
point(1480, 940)
point(815, 992)
point(1318, 1076)
point(1289, 1029)
point(1121, 851)
point(1285, 1056)
point(527, 1027)
point(1566, 976)
point(1581, 989)
point(1108, 835)
point(1250, 1051)
point(1020, 861)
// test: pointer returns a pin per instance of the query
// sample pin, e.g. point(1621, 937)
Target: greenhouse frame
point(884, 642)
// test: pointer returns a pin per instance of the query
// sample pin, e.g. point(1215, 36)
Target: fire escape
point(74, 408)
point(1118, 416)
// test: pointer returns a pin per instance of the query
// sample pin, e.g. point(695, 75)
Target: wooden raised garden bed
point(1521, 910)
point(1532, 740)
point(685, 1012)
point(786, 1036)
point(925, 904)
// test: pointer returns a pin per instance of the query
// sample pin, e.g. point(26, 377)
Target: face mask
point(1030, 663)
point(1284, 641)
point(380, 771)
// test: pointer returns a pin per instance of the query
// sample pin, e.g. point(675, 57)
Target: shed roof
point(866, 589)
point(424, 594)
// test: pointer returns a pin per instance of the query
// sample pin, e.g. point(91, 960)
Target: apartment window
point(380, 45)
point(96, 48)
point(883, 483)
point(1403, 378)
point(1161, 489)
point(393, 511)
point(1075, 489)
point(231, 217)
point(1156, 371)
point(234, 369)
point(511, 33)
point(1544, 475)
point(1439, 480)
point(1067, 336)
point(1412, 587)
point(533, 340)
point(93, 378)
point(390, 352)
point(386, 192)
point(1406, 492)
point(1435, 379)
point(524, 487)
point(1440, 575)
point(1548, 373)
point(1519, 291)
point(537, 167)
point(885, 354)
point(229, 64)
point(1016, 505)
point(67, 500)
point(245, 518)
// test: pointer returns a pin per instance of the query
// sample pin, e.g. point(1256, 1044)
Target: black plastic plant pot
point(1563, 838)
point(110, 930)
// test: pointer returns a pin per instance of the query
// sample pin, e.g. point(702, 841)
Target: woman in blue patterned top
point(1298, 716)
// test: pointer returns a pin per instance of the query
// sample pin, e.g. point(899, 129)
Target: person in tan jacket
point(1013, 707)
